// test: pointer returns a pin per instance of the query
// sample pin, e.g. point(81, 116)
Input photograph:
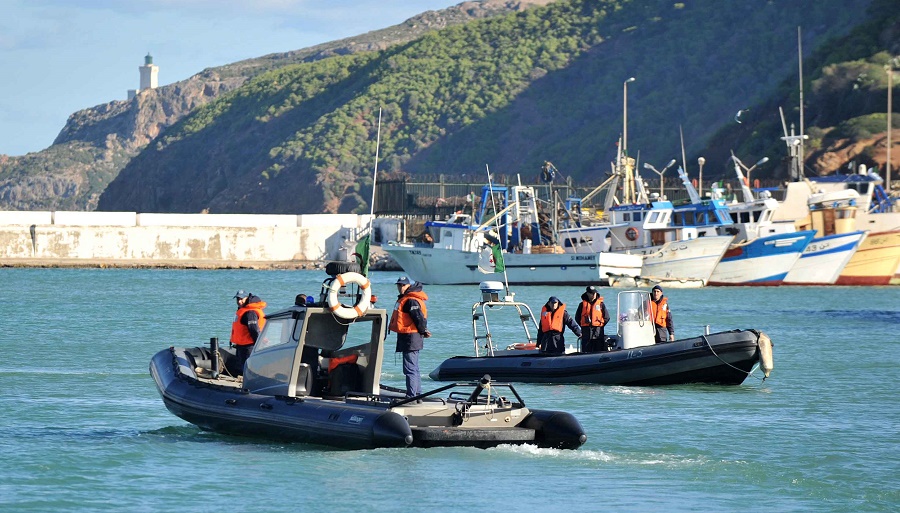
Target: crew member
point(592, 317)
point(248, 322)
point(661, 315)
point(554, 319)
point(410, 322)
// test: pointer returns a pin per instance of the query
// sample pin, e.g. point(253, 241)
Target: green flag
point(362, 255)
point(499, 266)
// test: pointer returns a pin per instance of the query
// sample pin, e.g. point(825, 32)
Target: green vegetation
point(511, 92)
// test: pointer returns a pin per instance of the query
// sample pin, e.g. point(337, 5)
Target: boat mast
point(375, 175)
point(800, 59)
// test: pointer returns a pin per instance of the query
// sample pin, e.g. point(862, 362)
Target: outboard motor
point(635, 325)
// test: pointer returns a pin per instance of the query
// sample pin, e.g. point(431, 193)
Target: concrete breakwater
point(130, 239)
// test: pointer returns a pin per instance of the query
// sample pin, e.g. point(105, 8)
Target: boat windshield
point(634, 305)
point(276, 332)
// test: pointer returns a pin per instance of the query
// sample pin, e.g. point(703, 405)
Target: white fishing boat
point(832, 215)
point(827, 204)
point(877, 259)
point(642, 225)
point(460, 250)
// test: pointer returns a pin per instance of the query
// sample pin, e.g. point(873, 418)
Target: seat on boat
point(346, 377)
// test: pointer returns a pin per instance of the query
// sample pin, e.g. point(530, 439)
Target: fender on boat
point(391, 430)
point(360, 307)
point(556, 429)
point(766, 362)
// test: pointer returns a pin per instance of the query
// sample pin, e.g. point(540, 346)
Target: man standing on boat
point(248, 322)
point(661, 315)
point(410, 322)
point(592, 317)
point(554, 319)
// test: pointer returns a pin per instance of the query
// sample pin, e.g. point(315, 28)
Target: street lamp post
point(700, 162)
point(625, 116)
point(758, 163)
point(662, 183)
point(890, 77)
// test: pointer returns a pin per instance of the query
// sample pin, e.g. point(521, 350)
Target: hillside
point(461, 88)
point(98, 142)
point(509, 91)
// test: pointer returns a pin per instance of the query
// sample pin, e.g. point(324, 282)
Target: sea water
point(82, 427)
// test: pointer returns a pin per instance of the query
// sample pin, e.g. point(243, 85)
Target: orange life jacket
point(402, 322)
point(552, 321)
point(240, 333)
point(659, 312)
point(592, 313)
point(334, 362)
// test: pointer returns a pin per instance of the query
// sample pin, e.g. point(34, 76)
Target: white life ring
point(358, 309)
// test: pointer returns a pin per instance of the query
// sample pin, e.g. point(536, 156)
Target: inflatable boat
point(314, 377)
point(632, 358)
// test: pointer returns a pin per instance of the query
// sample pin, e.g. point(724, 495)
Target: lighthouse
point(149, 76)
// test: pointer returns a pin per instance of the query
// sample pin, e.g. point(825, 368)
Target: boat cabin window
point(277, 331)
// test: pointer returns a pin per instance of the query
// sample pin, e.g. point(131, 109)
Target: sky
point(60, 56)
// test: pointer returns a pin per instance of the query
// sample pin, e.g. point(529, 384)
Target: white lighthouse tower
point(149, 76)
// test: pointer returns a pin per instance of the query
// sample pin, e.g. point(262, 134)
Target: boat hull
point(438, 266)
point(875, 261)
point(689, 260)
point(764, 261)
point(823, 260)
point(341, 423)
point(721, 358)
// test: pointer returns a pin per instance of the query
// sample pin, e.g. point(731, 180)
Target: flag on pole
point(499, 266)
point(362, 255)
point(490, 260)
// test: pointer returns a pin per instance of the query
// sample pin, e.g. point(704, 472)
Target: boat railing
point(466, 400)
point(485, 341)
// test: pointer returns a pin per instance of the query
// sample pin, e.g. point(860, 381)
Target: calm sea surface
point(82, 427)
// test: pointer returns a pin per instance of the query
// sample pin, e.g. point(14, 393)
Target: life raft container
point(521, 346)
point(362, 304)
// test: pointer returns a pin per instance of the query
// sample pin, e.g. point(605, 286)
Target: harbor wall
point(131, 236)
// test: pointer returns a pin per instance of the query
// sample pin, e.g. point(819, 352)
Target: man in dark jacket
point(592, 316)
point(554, 319)
point(409, 321)
point(248, 322)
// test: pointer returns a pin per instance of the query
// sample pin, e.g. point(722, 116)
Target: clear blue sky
point(61, 56)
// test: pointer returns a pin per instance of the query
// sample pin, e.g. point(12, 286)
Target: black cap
point(590, 288)
point(656, 287)
point(241, 294)
point(403, 280)
point(553, 299)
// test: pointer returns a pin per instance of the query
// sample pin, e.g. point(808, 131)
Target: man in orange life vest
point(248, 322)
point(592, 317)
point(554, 319)
point(410, 322)
point(661, 315)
